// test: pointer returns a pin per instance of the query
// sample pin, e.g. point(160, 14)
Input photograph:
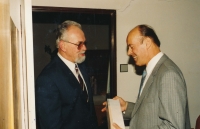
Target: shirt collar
point(70, 64)
point(152, 63)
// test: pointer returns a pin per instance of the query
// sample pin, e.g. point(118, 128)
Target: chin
point(80, 60)
point(138, 64)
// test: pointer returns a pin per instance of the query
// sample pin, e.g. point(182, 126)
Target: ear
point(62, 46)
point(148, 42)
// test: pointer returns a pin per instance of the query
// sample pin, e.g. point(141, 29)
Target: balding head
point(143, 44)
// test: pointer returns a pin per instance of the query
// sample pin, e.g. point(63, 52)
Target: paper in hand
point(114, 113)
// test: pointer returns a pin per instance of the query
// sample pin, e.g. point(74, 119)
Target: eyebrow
point(131, 44)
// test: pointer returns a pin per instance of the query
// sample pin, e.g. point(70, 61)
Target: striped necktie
point(81, 83)
point(142, 81)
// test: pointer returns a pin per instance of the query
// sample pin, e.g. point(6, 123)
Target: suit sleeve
point(129, 110)
point(48, 105)
point(173, 100)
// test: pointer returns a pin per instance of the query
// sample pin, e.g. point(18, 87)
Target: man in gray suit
point(162, 100)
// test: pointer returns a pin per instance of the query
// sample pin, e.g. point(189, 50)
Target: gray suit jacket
point(163, 103)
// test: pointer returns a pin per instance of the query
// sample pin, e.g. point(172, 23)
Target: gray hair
point(60, 34)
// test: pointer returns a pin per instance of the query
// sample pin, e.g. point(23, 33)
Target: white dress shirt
point(150, 66)
point(71, 66)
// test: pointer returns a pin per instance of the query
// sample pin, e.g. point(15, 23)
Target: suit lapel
point(144, 92)
point(148, 84)
point(83, 72)
point(67, 74)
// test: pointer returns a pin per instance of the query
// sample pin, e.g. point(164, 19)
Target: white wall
point(15, 12)
point(177, 25)
point(21, 14)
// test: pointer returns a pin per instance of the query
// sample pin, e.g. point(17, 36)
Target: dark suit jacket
point(59, 99)
point(163, 103)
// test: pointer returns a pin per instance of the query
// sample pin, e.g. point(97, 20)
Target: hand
point(122, 102)
point(116, 126)
point(104, 109)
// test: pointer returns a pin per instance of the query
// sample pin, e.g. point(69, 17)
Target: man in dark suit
point(64, 98)
point(162, 100)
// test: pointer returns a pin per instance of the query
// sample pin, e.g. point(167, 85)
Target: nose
point(129, 52)
point(84, 47)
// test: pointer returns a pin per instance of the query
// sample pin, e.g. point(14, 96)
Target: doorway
point(99, 26)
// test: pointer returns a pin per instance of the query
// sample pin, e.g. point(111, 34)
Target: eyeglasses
point(80, 45)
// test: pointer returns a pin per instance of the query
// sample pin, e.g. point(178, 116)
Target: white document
point(114, 114)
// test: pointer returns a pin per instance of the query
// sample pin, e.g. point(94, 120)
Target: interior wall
point(15, 76)
point(177, 25)
point(18, 100)
point(22, 109)
point(6, 91)
point(10, 111)
point(15, 12)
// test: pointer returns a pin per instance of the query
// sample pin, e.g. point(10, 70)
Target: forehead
point(74, 31)
point(133, 36)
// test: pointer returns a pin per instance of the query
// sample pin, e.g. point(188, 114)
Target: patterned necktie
point(81, 83)
point(142, 81)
